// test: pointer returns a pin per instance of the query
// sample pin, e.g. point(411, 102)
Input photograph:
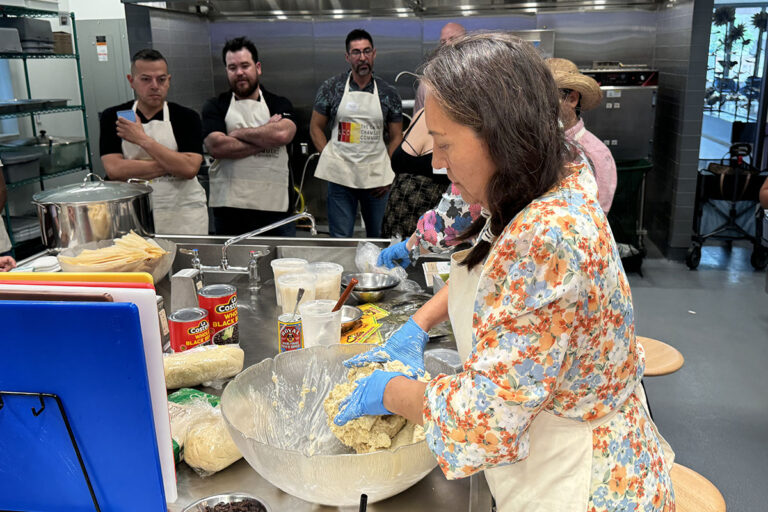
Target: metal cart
point(726, 205)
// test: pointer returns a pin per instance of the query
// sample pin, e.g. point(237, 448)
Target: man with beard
point(246, 130)
point(159, 141)
point(355, 161)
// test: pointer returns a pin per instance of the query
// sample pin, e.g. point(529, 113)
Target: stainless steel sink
point(337, 250)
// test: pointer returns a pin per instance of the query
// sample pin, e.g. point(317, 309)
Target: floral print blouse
point(438, 228)
point(553, 329)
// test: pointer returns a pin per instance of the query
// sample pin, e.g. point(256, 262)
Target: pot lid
point(92, 191)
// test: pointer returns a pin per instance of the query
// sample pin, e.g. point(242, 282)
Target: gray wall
point(298, 54)
point(184, 40)
point(682, 40)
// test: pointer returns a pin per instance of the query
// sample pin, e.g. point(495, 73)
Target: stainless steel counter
point(257, 315)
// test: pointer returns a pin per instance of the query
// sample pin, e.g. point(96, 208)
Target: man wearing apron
point(548, 403)
point(160, 142)
point(355, 161)
point(247, 129)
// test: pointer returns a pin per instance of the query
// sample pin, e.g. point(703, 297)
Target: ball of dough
point(208, 447)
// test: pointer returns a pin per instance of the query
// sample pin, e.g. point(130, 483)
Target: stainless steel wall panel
point(183, 40)
point(628, 36)
point(398, 45)
point(627, 126)
point(286, 54)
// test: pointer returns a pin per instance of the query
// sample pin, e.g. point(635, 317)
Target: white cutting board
point(146, 301)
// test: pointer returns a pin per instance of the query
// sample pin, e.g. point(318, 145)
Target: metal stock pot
point(92, 211)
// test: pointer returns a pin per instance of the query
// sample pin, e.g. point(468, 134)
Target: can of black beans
point(189, 328)
point(220, 300)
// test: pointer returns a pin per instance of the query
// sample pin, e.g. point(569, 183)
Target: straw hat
point(567, 76)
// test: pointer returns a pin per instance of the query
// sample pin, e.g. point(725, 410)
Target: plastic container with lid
point(328, 279)
point(20, 166)
point(282, 266)
point(288, 287)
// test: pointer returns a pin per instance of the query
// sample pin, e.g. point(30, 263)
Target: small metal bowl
point(350, 318)
point(370, 286)
point(232, 497)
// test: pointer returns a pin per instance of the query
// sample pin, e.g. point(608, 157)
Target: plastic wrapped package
point(208, 447)
point(158, 266)
point(210, 365)
point(200, 437)
point(365, 259)
point(401, 308)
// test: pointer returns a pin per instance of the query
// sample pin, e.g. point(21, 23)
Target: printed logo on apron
point(355, 155)
point(178, 205)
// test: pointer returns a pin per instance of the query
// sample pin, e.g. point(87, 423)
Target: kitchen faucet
point(257, 232)
point(252, 268)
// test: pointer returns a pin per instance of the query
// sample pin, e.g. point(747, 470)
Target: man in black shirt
point(247, 129)
point(158, 141)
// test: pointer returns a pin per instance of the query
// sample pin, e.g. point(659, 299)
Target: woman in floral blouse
point(548, 404)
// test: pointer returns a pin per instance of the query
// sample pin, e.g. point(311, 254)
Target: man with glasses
point(355, 161)
point(155, 140)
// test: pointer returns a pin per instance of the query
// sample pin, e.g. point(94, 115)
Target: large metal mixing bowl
point(274, 412)
point(370, 287)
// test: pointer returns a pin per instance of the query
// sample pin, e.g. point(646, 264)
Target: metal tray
point(13, 106)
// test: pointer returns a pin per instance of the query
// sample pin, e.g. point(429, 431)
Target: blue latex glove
point(405, 345)
point(398, 254)
point(367, 398)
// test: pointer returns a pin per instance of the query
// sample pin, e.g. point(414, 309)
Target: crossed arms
point(244, 142)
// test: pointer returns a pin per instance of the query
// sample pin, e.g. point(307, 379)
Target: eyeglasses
point(356, 53)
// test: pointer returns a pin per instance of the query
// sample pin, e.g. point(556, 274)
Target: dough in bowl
point(370, 433)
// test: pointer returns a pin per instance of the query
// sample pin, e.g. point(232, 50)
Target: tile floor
point(714, 410)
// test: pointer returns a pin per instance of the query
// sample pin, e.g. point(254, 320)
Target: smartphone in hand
point(130, 115)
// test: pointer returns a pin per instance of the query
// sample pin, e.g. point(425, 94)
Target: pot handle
point(137, 180)
point(88, 176)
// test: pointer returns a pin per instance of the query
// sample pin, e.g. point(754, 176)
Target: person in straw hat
point(581, 93)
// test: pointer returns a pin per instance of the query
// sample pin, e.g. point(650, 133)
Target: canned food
point(289, 332)
point(221, 302)
point(189, 328)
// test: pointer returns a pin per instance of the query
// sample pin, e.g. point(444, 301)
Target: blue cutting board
point(92, 356)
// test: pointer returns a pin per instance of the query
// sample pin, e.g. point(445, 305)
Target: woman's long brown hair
point(497, 85)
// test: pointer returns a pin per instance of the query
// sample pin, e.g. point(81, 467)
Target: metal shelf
point(42, 111)
point(44, 177)
point(10, 10)
point(38, 56)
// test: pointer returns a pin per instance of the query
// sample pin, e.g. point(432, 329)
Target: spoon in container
point(345, 295)
point(298, 299)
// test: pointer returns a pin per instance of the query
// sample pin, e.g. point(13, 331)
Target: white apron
point(257, 182)
point(178, 205)
point(556, 475)
point(356, 156)
point(5, 240)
